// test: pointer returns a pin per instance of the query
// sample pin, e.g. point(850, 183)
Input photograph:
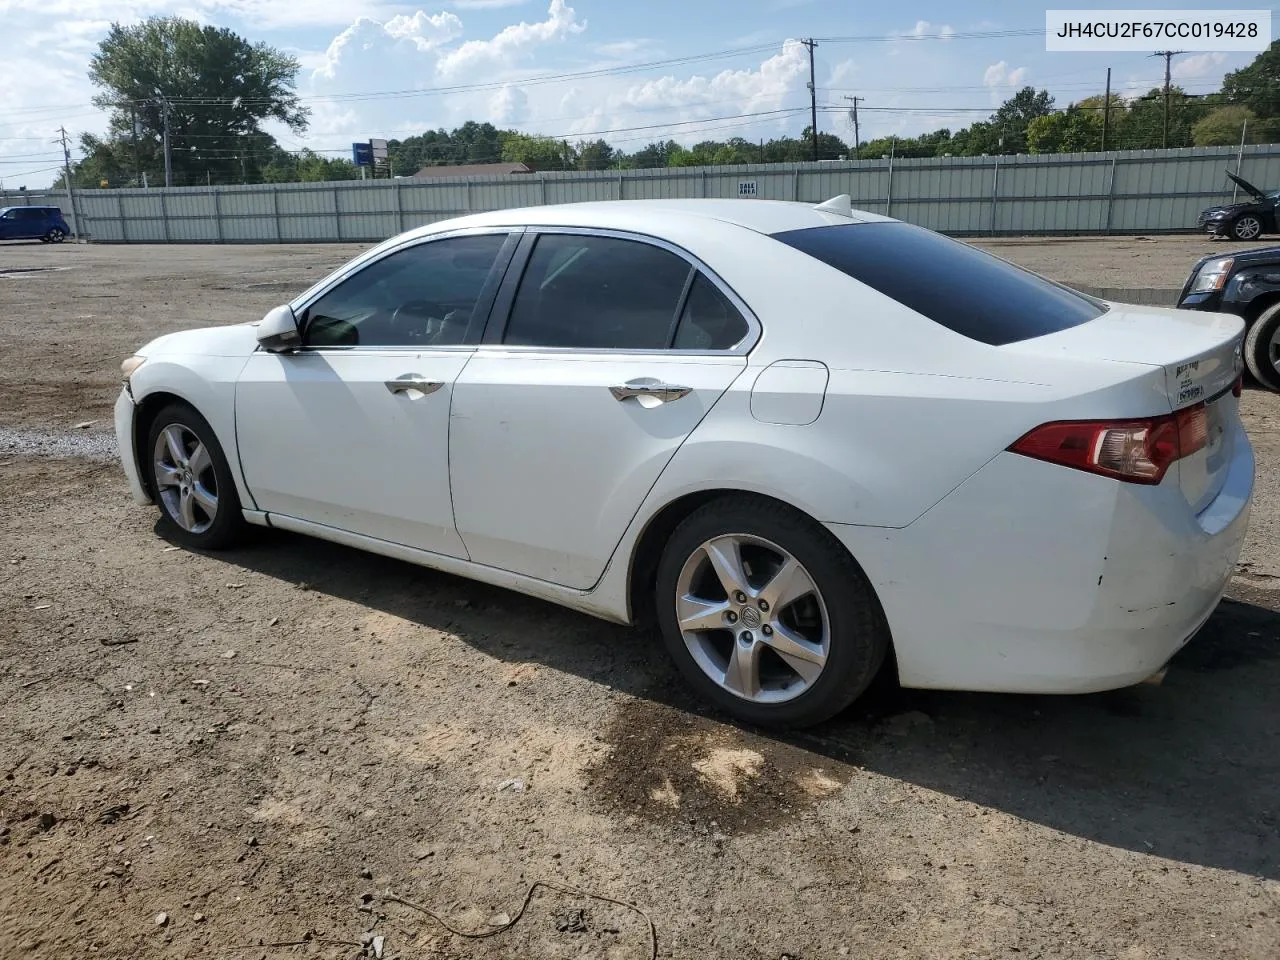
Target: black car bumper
point(1214, 226)
point(1210, 301)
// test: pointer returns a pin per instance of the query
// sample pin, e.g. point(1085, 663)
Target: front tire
point(766, 615)
point(1247, 227)
point(1262, 348)
point(191, 480)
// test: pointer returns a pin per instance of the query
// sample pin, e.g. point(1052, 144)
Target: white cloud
point(1002, 81)
point(763, 88)
point(367, 44)
point(509, 106)
point(1200, 65)
point(924, 28)
point(486, 4)
point(512, 42)
point(425, 31)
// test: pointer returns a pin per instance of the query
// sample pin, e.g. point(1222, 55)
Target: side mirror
point(278, 330)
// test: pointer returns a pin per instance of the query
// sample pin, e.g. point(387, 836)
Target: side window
point(597, 292)
point(423, 296)
point(9, 215)
point(32, 213)
point(709, 320)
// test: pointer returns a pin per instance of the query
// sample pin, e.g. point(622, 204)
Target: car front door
point(352, 430)
point(603, 353)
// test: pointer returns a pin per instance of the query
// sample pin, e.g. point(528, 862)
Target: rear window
point(959, 286)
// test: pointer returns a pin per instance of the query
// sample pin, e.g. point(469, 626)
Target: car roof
point(762, 216)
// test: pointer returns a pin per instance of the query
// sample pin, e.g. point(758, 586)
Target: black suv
point(1243, 221)
point(1246, 284)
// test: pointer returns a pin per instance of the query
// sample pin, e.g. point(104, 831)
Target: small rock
point(378, 942)
point(499, 920)
point(201, 684)
point(198, 918)
point(571, 921)
point(274, 621)
point(46, 822)
point(253, 841)
point(85, 425)
point(229, 655)
point(514, 784)
point(366, 874)
point(235, 586)
point(162, 919)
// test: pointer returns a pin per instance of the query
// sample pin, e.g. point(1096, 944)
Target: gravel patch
point(19, 441)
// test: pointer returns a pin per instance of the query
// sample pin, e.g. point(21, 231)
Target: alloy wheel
point(185, 478)
point(1247, 228)
point(752, 618)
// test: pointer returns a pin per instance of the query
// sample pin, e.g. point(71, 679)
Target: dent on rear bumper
point(1033, 578)
point(124, 413)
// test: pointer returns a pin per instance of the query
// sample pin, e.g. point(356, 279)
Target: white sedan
point(806, 440)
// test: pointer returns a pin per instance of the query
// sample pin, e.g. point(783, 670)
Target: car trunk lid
point(1200, 357)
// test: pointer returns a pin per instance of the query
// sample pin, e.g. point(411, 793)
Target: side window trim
point(680, 305)
point(500, 314)
point(479, 315)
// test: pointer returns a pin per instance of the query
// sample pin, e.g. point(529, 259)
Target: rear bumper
point(124, 414)
point(1034, 578)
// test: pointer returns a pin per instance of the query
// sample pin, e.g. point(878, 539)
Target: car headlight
point(1213, 275)
point(130, 365)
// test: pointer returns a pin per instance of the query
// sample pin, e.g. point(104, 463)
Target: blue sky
point(923, 72)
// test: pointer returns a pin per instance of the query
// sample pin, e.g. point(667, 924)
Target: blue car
point(33, 223)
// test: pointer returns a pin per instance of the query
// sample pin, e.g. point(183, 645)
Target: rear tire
point(791, 664)
point(1262, 348)
point(56, 235)
point(191, 480)
point(1247, 227)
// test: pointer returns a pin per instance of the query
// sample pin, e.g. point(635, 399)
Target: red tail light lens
point(1237, 388)
point(1137, 451)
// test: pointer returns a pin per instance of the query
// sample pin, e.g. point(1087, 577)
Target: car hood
point(237, 340)
point(1246, 186)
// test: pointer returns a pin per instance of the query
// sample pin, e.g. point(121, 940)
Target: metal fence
point(1144, 191)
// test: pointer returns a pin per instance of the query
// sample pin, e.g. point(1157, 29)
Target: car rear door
point(603, 353)
point(352, 431)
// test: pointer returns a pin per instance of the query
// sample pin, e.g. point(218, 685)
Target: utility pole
point(854, 112)
point(1106, 113)
point(168, 154)
point(66, 167)
point(813, 100)
point(1168, 58)
point(133, 130)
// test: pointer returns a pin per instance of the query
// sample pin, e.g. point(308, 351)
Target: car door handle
point(409, 382)
point(662, 392)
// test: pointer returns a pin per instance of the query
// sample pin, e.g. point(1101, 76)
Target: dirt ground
point(263, 753)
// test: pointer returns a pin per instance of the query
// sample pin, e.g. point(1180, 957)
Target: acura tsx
point(804, 440)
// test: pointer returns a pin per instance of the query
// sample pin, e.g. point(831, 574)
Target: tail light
point(1237, 388)
point(1138, 451)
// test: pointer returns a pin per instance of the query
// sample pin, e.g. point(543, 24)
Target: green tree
point(1014, 116)
point(1256, 86)
point(537, 153)
point(596, 155)
point(1223, 127)
point(1142, 127)
point(217, 88)
point(1076, 129)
